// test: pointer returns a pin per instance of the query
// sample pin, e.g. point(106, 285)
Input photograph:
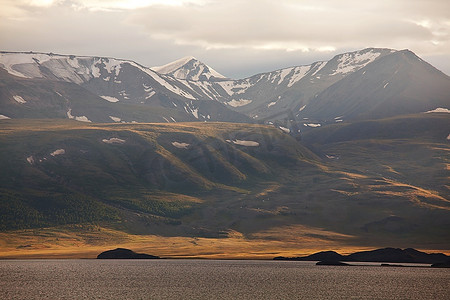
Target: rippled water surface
point(212, 279)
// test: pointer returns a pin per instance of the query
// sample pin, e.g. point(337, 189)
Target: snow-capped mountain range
point(112, 82)
point(362, 84)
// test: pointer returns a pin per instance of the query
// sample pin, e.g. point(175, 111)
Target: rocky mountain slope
point(398, 84)
point(282, 94)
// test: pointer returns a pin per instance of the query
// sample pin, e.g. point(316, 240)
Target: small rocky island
point(122, 253)
point(384, 255)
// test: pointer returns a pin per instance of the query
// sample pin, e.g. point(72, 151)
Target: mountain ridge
point(319, 92)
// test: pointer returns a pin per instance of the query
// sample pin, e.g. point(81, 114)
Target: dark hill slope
point(68, 172)
point(427, 127)
point(210, 179)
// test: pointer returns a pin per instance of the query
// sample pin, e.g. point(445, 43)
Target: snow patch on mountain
point(283, 73)
point(113, 140)
point(110, 99)
point(314, 125)
point(151, 94)
point(318, 66)
point(195, 113)
point(124, 94)
point(298, 74)
point(115, 119)
point(439, 110)
point(73, 62)
point(19, 99)
point(180, 145)
point(3, 117)
point(244, 143)
point(79, 118)
point(191, 110)
point(238, 103)
point(112, 65)
point(165, 83)
point(350, 62)
point(284, 129)
point(58, 152)
point(30, 160)
point(271, 104)
point(236, 86)
point(338, 119)
point(146, 87)
point(205, 87)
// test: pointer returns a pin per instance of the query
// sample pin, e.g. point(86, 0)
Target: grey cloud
point(237, 23)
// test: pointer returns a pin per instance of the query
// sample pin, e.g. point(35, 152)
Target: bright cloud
point(127, 4)
point(307, 26)
point(44, 3)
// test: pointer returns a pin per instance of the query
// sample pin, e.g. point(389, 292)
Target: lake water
point(213, 279)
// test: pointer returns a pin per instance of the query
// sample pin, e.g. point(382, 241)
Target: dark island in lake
point(331, 263)
point(385, 255)
point(122, 253)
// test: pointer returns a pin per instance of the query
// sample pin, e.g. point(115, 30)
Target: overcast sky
point(238, 38)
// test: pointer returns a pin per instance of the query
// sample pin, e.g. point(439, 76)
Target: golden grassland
point(210, 128)
point(88, 241)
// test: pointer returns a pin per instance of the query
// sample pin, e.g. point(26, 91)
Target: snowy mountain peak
point(352, 61)
point(173, 66)
point(189, 68)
